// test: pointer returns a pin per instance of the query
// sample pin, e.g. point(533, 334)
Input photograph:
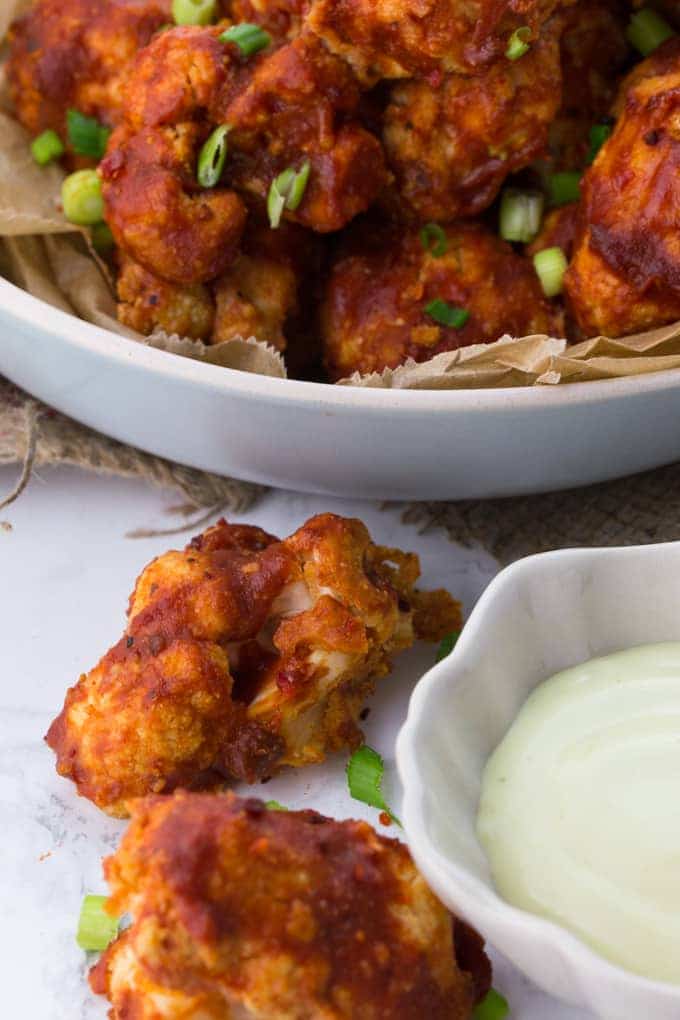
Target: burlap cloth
point(645, 508)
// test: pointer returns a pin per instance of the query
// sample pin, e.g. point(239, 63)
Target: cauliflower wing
point(452, 144)
point(243, 654)
point(421, 38)
point(625, 272)
point(284, 107)
point(260, 295)
point(241, 912)
point(77, 54)
point(374, 313)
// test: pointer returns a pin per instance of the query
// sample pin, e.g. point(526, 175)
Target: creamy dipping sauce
point(580, 807)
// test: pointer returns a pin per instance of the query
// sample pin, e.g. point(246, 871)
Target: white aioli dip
point(580, 807)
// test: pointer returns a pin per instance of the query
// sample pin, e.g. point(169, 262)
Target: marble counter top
point(66, 569)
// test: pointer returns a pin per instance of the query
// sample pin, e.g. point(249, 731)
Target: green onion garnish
point(101, 237)
point(87, 136)
point(447, 644)
point(194, 12)
point(273, 805)
point(250, 39)
point(47, 147)
point(647, 30)
point(564, 187)
point(81, 198)
point(492, 1007)
point(598, 135)
point(433, 240)
point(520, 215)
point(551, 265)
point(365, 771)
point(446, 314)
point(96, 928)
point(286, 192)
point(212, 157)
point(518, 43)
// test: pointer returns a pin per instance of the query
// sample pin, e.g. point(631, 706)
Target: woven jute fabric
point(642, 509)
point(33, 436)
point(637, 510)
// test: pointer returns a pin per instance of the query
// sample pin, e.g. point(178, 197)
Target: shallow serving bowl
point(381, 444)
point(539, 616)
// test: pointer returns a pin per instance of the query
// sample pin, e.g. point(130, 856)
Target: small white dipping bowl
point(539, 616)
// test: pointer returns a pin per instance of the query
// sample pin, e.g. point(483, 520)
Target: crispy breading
point(243, 654)
point(272, 915)
point(147, 303)
point(283, 108)
point(374, 312)
point(451, 145)
point(625, 272)
point(424, 38)
point(154, 206)
point(77, 54)
point(301, 104)
point(260, 295)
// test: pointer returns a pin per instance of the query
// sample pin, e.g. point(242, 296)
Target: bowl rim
point(69, 329)
point(478, 900)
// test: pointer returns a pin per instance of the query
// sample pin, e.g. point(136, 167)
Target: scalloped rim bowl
point(338, 440)
point(541, 615)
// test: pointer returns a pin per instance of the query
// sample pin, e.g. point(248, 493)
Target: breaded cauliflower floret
point(158, 213)
point(272, 915)
point(260, 295)
point(243, 654)
point(451, 145)
point(625, 272)
point(424, 38)
point(375, 309)
point(301, 104)
point(77, 54)
point(284, 108)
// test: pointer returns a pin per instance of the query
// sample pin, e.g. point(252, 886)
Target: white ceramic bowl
point(539, 616)
point(378, 444)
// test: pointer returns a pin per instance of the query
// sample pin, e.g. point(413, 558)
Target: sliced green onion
point(273, 805)
point(446, 314)
point(365, 771)
point(47, 147)
point(286, 192)
point(518, 43)
point(647, 30)
point(194, 12)
point(101, 237)
point(250, 39)
point(520, 215)
point(212, 157)
point(87, 136)
point(564, 187)
point(96, 928)
point(447, 644)
point(493, 1007)
point(433, 240)
point(551, 265)
point(597, 136)
point(81, 198)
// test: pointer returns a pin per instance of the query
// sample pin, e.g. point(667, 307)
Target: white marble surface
point(66, 569)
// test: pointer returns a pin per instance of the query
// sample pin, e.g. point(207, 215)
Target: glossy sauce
point(580, 807)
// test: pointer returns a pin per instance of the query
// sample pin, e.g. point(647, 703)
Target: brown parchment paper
point(44, 254)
